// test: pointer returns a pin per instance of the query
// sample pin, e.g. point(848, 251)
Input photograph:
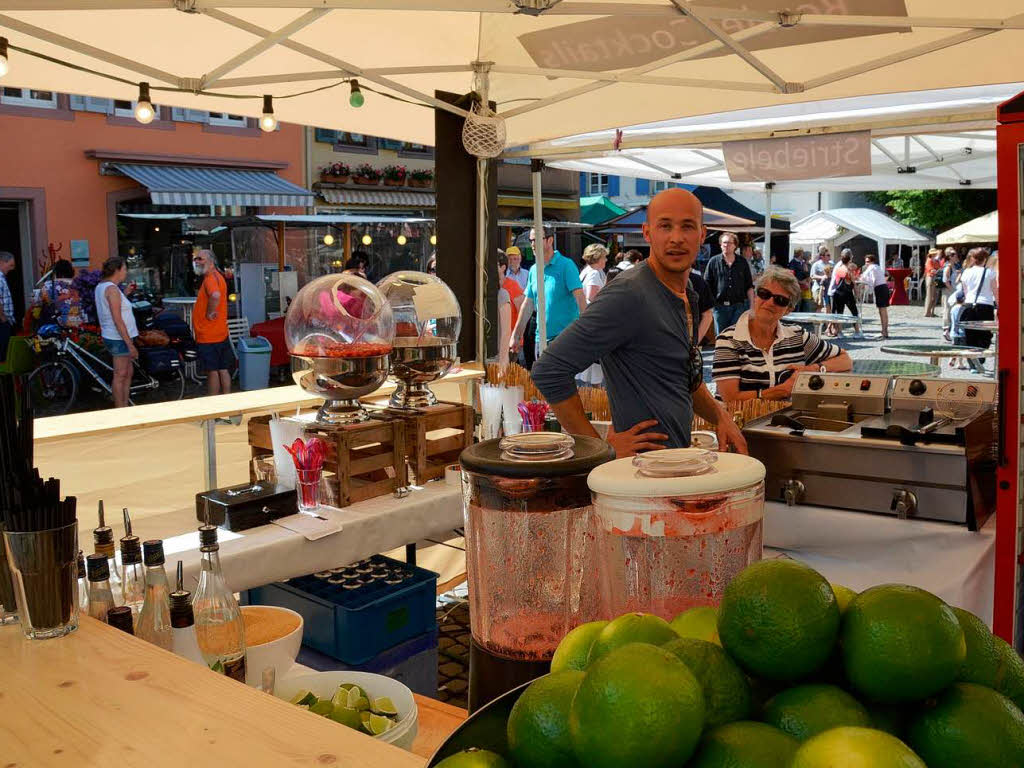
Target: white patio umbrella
point(984, 229)
point(555, 67)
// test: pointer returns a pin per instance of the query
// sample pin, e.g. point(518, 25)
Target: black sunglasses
point(764, 294)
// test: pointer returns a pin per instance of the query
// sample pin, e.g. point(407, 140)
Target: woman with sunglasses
point(758, 358)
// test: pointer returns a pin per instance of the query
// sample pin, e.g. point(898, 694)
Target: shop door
point(13, 231)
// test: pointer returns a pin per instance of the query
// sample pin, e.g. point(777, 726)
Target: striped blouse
point(736, 356)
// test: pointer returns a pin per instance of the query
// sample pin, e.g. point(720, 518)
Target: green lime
point(383, 706)
point(346, 716)
point(700, 622)
point(1010, 678)
point(375, 725)
point(807, 710)
point(640, 706)
point(304, 697)
point(538, 726)
point(969, 726)
point(323, 708)
point(725, 687)
point(843, 595)
point(744, 744)
point(779, 619)
point(574, 650)
point(631, 628)
point(983, 654)
point(856, 748)
point(474, 758)
point(901, 643)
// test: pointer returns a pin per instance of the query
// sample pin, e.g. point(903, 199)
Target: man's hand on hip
point(636, 439)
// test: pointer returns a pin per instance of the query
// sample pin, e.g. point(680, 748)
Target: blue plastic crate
point(413, 663)
point(355, 624)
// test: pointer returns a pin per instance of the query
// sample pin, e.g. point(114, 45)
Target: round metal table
point(819, 319)
point(935, 352)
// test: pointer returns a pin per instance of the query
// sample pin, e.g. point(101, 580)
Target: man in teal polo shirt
point(563, 293)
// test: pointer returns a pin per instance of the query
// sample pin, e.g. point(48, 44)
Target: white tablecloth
point(861, 550)
point(270, 553)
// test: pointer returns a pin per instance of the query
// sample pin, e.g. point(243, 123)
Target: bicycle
point(55, 385)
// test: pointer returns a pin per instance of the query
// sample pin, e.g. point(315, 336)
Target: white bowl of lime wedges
point(372, 704)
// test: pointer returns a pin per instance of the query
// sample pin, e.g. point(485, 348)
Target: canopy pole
point(536, 168)
point(768, 222)
point(280, 246)
point(481, 84)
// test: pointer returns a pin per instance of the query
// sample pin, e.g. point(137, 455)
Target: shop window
point(231, 121)
point(26, 97)
point(344, 141)
point(597, 183)
point(411, 149)
point(659, 186)
point(123, 108)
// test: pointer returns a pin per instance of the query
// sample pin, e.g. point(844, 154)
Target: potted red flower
point(335, 173)
point(395, 175)
point(421, 178)
point(366, 174)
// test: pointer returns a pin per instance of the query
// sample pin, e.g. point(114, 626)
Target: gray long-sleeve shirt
point(636, 329)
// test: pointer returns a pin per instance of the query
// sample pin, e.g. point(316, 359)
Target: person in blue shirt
point(563, 293)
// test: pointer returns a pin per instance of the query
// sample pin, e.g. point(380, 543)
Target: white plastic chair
point(238, 328)
point(914, 289)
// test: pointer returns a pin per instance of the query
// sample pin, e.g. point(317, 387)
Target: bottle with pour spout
point(103, 544)
point(154, 623)
point(219, 626)
point(183, 624)
point(133, 577)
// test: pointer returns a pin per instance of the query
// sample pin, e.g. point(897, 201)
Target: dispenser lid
point(537, 454)
point(676, 472)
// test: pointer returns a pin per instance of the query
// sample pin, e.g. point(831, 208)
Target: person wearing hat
point(515, 267)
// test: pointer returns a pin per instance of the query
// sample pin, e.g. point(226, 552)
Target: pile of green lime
point(789, 671)
point(350, 705)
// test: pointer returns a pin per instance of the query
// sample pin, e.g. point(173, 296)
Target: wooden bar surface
point(99, 697)
point(199, 409)
point(437, 721)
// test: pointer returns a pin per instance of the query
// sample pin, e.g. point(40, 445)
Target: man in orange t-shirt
point(210, 324)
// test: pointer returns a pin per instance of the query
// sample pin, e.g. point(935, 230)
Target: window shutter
point(584, 186)
point(91, 104)
point(613, 186)
point(77, 103)
point(325, 135)
point(643, 187)
point(189, 115)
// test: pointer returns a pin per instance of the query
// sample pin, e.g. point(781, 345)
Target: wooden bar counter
point(99, 697)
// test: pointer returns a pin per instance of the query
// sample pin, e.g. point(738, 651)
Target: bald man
point(641, 329)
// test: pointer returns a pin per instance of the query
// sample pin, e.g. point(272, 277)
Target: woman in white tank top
point(117, 326)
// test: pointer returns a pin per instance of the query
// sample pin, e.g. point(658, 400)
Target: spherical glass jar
point(339, 330)
point(427, 324)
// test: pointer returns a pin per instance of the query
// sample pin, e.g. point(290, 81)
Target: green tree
point(936, 210)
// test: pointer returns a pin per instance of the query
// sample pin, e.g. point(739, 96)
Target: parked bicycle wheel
point(53, 387)
point(169, 386)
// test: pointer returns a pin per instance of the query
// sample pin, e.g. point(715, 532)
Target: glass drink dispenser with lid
point(529, 552)
point(674, 526)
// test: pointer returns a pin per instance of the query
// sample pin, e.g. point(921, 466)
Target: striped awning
point(188, 185)
point(392, 198)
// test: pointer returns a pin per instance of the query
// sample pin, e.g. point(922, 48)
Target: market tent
point(717, 199)
point(633, 220)
point(984, 229)
point(597, 209)
point(839, 225)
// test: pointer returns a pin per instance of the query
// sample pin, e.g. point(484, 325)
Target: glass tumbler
point(44, 567)
point(307, 488)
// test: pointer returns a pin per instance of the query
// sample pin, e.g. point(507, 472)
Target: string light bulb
point(367, 240)
point(402, 240)
point(232, 297)
point(355, 95)
point(144, 111)
point(433, 239)
point(4, 64)
point(328, 239)
point(268, 122)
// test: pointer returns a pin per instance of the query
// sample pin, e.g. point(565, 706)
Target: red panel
point(1010, 136)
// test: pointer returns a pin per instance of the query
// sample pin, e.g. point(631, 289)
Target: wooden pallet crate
point(363, 460)
point(428, 455)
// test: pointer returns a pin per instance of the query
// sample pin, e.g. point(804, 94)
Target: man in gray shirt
point(640, 328)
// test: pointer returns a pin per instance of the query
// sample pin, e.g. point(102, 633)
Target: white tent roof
point(838, 223)
point(926, 140)
point(579, 66)
point(984, 229)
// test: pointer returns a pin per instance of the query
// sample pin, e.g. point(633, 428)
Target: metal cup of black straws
point(8, 602)
point(44, 566)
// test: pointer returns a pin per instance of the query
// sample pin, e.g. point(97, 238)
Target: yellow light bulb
point(402, 240)
point(232, 297)
point(367, 239)
point(433, 239)
point(328, 239)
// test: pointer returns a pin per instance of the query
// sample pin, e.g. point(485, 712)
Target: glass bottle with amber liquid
point(219, 626)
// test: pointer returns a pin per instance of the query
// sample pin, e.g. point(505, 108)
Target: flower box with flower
point(421, 178)
point(395, 175)
point(366, 174)
point(335, 173)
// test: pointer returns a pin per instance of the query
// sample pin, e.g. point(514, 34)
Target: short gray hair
point(594, 252)
point(208, 254)
point(846, 252)
point(785, 278)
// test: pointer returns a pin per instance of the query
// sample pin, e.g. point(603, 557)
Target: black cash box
point(246, 506)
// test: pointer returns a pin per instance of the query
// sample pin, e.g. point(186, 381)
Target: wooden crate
point(428, 456)
point(364, 460)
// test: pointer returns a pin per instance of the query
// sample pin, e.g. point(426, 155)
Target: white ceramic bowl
point(325, 684)
point(279, 654)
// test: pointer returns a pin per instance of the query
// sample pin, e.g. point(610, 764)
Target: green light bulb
point(356, 99)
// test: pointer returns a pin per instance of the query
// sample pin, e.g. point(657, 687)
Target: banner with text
point(799, 157)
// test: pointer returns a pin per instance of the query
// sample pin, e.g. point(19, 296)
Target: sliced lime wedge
point(346, 716)
point(383, 706)
point(323, 708)
point(304, 697)
point(378, 724)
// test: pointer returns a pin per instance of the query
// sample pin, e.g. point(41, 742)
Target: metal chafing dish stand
point(906, 446)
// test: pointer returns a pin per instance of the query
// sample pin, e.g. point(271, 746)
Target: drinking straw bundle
point(490, 410)
point(533, 414)
point(27, 502)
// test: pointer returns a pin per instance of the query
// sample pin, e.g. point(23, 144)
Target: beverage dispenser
point(674, 526)
point(529, 552)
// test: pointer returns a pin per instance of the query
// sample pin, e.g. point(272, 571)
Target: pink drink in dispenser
point(674, 526)
point(529, 540)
